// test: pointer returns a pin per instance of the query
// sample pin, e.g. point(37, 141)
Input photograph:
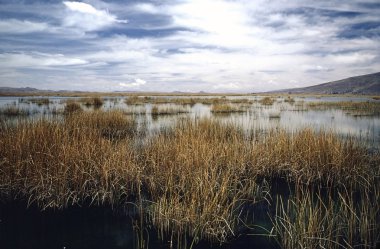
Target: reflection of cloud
point(136, 83)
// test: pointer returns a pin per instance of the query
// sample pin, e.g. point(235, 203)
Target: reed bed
point(227, 108)
point(195, 181)
point(355, 108)
point(168, 110)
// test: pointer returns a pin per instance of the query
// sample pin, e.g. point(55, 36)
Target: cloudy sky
point(186, 45)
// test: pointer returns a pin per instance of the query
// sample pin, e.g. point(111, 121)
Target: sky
point(186, 45)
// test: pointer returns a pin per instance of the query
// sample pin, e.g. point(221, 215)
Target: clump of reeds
point(96, 102)
point(72, 107)
point(168, 110)
point(241, 101)
point(376, 98)
point(266, 101)
point(113, 125)
point(226, 108)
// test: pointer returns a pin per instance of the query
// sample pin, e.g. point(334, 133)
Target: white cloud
point(136, 83)
point(87, 18)
point(83, 7)
point(147, 8)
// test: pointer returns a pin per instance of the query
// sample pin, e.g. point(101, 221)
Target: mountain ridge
point(368, 84)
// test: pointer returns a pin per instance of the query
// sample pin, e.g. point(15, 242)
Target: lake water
point(283, 115)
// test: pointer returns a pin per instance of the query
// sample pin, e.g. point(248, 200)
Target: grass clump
point(72, 107)
point(226, 108)
point(266, 101)
point(96, 102)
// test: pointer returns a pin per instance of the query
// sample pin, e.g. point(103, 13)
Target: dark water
point(89, 227)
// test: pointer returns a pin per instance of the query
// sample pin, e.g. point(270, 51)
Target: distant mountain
point(363, 84)
point(18, 90)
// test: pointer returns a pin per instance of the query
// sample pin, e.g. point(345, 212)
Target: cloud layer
point(186, 45)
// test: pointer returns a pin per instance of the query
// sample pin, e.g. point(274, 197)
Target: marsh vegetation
point(202, 178)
